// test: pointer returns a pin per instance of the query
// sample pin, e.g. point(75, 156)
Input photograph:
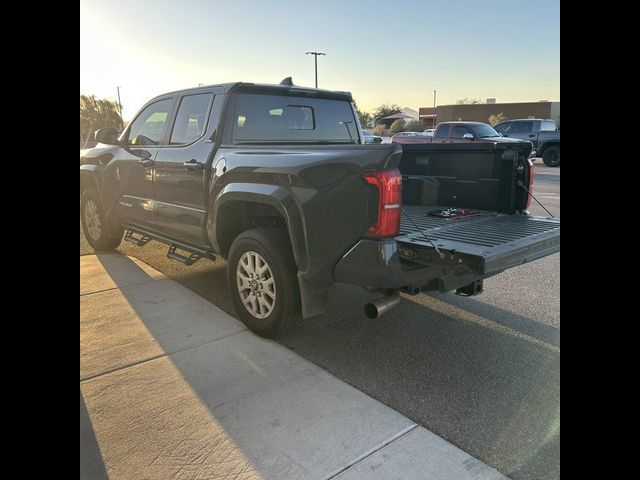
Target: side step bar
point(140, 241)
point(140, 237)
point(188, 261)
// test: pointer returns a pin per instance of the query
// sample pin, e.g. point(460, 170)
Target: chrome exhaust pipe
point(382, 306)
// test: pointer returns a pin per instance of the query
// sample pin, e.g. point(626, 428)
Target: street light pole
point(315, 54)
point(120, 108)
point(435, 116)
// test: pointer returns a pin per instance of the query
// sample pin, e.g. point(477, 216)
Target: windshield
point(483, 131)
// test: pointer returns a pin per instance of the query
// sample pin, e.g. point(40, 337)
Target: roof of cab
point(268, 88)
point(462, 122)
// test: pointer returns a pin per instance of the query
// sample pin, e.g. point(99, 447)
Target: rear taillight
point(389, 185)
point(531, 175)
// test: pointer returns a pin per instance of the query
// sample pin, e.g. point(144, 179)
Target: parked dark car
point(544, 135)
point(277, 180)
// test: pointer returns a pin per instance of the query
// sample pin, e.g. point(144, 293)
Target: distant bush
point(397, 127)
point(413, 126)
point(381, 131)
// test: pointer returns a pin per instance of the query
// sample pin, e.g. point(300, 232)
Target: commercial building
point(480, 112)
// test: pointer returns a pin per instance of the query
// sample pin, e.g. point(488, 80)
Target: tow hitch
point(474, 288)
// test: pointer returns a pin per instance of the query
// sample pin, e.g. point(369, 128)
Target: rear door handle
point(193, 165)
point(146, 162)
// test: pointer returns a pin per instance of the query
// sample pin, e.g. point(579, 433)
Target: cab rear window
point(260, 118)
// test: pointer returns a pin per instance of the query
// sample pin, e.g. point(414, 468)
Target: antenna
point(287, 81)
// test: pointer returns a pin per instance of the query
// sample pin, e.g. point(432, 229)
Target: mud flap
point(313, 301)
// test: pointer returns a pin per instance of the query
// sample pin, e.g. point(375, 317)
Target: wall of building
point(555, 112)
point(482, 111)
point(427, 117)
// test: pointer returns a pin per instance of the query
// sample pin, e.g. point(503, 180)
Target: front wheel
point(262, 281)
point(94, 222)
point(551, 157)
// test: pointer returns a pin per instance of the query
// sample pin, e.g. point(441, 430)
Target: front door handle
point(146, 162)
point(193, 165)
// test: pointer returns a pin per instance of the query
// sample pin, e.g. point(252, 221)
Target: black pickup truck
point(277, 180)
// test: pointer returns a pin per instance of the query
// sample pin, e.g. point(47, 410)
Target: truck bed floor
point(496, 238)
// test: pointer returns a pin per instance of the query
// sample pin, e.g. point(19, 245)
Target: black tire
point(96, 232)
point(551, 156)
point(272, 245)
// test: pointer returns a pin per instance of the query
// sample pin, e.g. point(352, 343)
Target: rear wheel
point(262, 281)
point(94, 224)
point(551, 157)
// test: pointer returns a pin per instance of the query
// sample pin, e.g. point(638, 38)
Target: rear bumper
point(377, 264)
point(389, 264)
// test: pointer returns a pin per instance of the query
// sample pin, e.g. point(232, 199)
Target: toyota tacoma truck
point(543, 133)
point(277, 180)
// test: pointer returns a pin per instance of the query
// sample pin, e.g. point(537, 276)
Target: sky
point(381, 51)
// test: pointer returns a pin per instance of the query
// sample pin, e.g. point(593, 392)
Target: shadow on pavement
point(91, 463)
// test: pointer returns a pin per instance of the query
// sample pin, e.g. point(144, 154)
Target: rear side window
point(287, 119)
point(523, 127)
point(191, 119)
point(443, 131)
point(548, 126)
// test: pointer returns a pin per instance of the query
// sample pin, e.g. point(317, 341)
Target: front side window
point(459, 131)
point(147, 128)
point(289, 119)
point(191, 119)
point(503, 128)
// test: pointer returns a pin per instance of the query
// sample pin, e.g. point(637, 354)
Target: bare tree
point(495, 119)
point(468, 101)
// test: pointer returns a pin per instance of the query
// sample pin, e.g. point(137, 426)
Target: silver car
point(370, 138)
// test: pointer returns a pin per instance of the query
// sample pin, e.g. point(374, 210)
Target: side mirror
point(467, 136)
point(108, 136)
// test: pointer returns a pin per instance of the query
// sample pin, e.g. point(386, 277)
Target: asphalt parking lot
point(482, 372)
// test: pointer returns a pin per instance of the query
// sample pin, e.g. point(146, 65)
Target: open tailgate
point(489, 243)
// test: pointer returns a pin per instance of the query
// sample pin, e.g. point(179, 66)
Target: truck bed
point(490, 242)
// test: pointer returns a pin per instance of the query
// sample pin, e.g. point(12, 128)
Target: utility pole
point(120, 108)
point(435, 116)
point(315, 54)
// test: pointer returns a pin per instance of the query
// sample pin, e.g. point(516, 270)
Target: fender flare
point(275, 196)
point(547, 144)
point(94, 172)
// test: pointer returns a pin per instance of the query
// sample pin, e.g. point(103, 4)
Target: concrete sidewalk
point(173, 387)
